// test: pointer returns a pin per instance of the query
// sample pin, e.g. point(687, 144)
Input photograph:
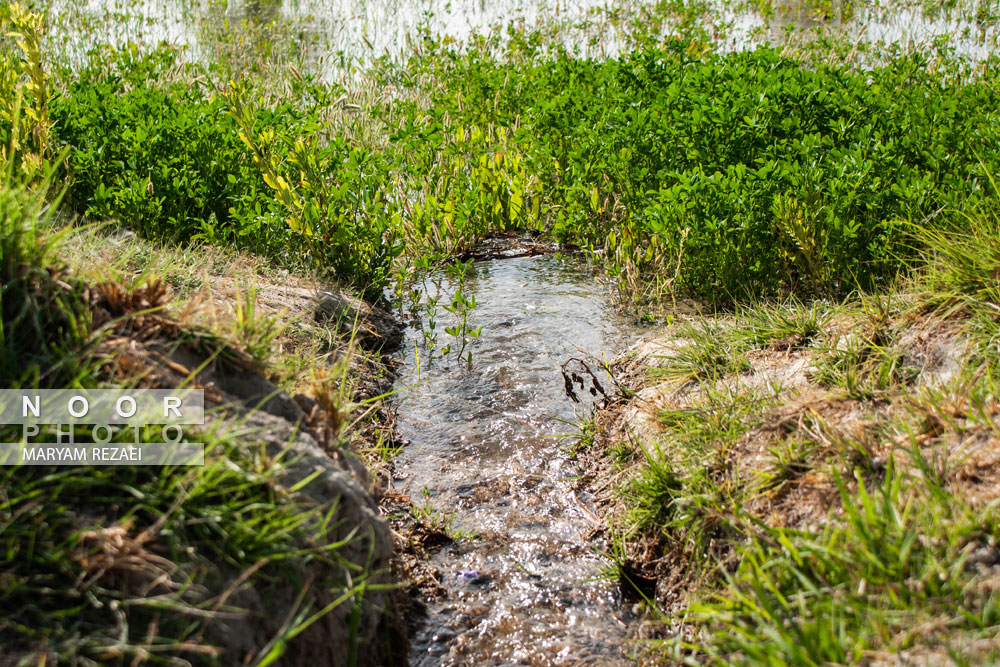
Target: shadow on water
point(484, 446)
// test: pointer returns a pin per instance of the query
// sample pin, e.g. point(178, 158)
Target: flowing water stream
point(484, 450)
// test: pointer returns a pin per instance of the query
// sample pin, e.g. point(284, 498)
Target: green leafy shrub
point(154, 147)
point(758, 173)
point(725, 175)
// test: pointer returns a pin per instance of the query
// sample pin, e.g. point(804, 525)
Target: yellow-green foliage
point(24, 92)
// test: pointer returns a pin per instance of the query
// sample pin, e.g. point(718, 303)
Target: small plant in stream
point(436, 520)
point(460, 307)
point(430, 335)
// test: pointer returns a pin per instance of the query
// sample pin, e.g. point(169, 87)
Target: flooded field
point(334, 33)
point(334, 36)
point(484, 451)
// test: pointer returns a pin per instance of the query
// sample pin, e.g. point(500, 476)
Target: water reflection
point(355, 31)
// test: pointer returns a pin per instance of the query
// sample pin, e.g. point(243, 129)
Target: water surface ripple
point(484, 444)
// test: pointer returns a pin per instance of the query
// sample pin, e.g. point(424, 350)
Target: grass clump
point(681, 494)
point(961, 280)
point(106, 564)
point(147, 563)
point(893, 573)
point(709, 351)
point(784, 326)
point(45, 311)
point(866, 368)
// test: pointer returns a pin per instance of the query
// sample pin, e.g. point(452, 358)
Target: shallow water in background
point(484, 450)
point(336, 34)
point(902, 25)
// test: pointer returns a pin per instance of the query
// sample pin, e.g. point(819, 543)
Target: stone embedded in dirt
point(988, 556)
point(473, 577)
point(375, 328)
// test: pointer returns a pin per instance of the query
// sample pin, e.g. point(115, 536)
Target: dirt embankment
point(770, 425)
point(321, 464)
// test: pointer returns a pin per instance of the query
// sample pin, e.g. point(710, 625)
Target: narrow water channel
point(485, 450)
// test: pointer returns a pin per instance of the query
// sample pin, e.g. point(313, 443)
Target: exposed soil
point(148, 346)
point(511, 245)
point(927, 411)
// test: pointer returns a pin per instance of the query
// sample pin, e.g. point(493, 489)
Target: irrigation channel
point(484, 450)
